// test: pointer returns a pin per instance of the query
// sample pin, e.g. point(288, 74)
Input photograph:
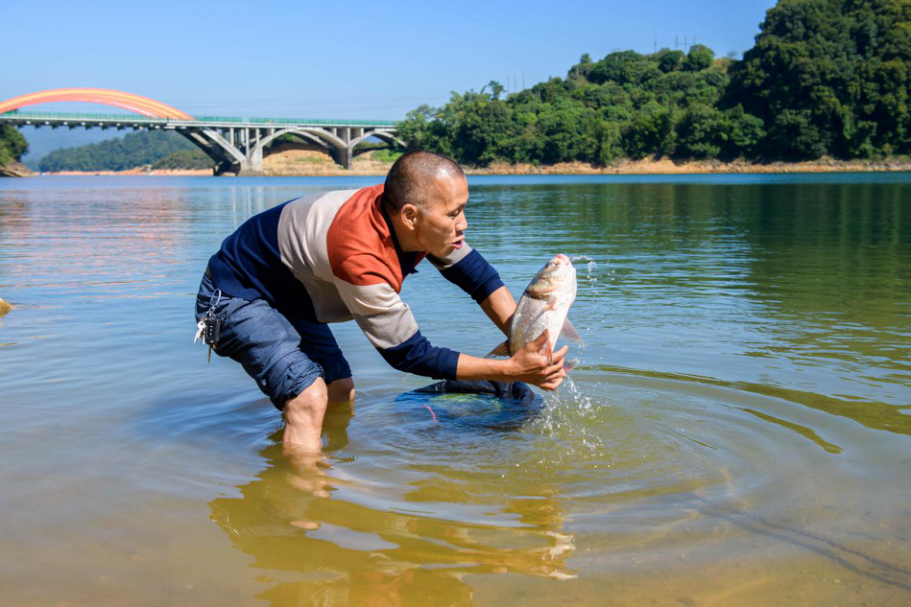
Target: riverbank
point(303, 162)
point(666, 166)
point(15, 169)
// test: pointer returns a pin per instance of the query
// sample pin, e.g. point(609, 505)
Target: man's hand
point(534, 364)
point(537, 364)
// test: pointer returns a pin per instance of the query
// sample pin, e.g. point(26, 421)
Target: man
point(332, 257)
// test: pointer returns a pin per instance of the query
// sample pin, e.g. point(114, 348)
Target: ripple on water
point(622, 465)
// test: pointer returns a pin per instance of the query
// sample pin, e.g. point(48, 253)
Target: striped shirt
point(334, 257)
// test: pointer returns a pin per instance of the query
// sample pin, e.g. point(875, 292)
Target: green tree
point(701, 133)
point(651, 131)
point(12, 144)
point(131, 151)
point(669, 61)
point(834, 71)
point(699, 58)
point(825, 77)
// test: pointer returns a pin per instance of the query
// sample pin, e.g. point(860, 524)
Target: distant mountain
point(131, 151)
point(45, 140)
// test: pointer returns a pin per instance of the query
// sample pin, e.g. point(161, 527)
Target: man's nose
point(462, 222)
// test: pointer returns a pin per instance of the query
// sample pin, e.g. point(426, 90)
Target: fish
point(544, 305)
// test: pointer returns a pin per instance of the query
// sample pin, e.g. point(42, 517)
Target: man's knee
point(308, 404)
point(341, 390)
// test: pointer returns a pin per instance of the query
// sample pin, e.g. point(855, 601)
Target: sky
point(367, 60)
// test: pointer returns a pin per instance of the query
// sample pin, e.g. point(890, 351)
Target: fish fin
point(501, 350)
point(569, 333)
point(550, 353)
point(569, 366)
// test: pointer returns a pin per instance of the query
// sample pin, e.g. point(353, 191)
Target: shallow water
point(738, 431)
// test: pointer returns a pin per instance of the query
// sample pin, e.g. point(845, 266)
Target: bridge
point(234, 143)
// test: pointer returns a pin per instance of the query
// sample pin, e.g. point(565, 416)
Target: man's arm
point(529, 365)
point(389, 325)
point(499, 307)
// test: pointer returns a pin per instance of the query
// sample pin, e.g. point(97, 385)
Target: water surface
point(738, 431)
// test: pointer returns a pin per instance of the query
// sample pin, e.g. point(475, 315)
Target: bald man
point(285, 274)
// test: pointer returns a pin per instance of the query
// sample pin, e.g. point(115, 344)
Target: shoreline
point(369, 167)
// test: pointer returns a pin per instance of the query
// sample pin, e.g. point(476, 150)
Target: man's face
point(441, 228)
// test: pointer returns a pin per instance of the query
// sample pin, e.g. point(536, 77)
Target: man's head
point(425, 195)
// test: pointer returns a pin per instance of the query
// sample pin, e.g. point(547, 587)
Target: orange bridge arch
point(128, 101)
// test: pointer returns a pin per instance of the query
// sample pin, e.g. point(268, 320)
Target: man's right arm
point(530, 365)
point(390, 326)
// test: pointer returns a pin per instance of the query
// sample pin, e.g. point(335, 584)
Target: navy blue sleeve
point(474, 275)
point(417, 355)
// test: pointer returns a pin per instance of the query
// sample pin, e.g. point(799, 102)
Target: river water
point(738, 431)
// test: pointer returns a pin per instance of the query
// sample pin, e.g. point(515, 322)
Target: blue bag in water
point(483, 404)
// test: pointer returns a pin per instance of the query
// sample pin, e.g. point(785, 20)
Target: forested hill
point(12, 144)
point(825, 78)
point(160, 149)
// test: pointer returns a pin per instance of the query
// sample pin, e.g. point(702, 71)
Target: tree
point(834, 70)
point(669, 61)
point(701, 133)
point(496, 89)
point(13, 145)
point(699, 58)
point(825, 77)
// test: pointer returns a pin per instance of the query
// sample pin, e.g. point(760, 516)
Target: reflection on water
point(738, 430)
point(299, 516)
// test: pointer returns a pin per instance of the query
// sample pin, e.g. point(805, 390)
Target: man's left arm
point(499, 307)
point(467, 269)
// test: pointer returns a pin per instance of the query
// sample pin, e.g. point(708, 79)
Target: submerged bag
point(486, 404)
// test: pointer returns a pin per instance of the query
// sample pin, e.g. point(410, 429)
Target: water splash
point(589, 266)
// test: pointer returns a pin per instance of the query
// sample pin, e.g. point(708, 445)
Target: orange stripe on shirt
point(359, 242)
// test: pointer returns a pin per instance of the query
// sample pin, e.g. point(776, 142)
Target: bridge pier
point(344, 156)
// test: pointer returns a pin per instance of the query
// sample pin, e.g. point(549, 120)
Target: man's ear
point(409, 214)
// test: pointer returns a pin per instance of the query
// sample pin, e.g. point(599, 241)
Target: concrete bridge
point(235, 144)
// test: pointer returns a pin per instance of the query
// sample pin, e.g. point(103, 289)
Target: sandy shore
point(669, 167)
point(295, 161)
point(138, 172)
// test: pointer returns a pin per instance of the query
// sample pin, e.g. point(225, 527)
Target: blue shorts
point(284, 355)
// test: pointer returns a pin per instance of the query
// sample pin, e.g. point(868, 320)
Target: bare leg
point(304, 413)
point(341, 390)
point(304, 418)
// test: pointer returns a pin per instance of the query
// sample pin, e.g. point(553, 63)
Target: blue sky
point(346, 60)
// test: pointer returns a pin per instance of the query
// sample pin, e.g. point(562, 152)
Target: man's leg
point(341, 390)
point(305, 412)
point(304, 418)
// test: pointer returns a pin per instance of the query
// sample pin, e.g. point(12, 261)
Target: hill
point(825, 78)
point(131, 151)
point(12, 147)
point(42, 141)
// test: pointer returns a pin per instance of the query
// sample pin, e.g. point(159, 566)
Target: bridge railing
point(260, 120)
point(205, 119)
point(237, 119)
point(71, 116)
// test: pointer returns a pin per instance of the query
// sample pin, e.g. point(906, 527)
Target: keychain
point(209, 328)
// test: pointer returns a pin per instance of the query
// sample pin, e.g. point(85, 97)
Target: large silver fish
point(544, 305)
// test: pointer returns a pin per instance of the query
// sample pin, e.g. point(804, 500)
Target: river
point(737, 432)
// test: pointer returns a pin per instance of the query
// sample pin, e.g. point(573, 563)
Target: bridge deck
point(128, 120)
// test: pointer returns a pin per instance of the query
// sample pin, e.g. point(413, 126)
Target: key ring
point(217, 297)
